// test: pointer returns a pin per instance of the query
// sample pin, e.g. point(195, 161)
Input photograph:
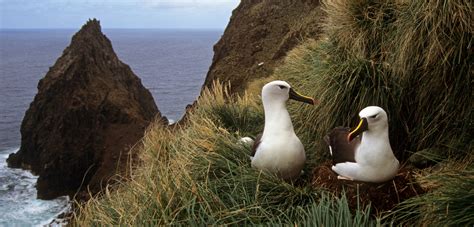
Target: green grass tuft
point(450, 203)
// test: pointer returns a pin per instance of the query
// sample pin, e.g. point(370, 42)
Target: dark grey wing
point(255, 144)
point(341, 149)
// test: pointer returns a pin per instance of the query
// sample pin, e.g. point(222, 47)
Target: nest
point(382, 197)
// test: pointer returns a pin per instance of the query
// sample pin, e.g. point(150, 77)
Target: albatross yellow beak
point(301, 98)
point(363, 126)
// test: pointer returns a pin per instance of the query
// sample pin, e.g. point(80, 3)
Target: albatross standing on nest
point(278, 150)
point(368, 159)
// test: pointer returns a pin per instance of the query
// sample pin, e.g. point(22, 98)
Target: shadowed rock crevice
point(89, 111)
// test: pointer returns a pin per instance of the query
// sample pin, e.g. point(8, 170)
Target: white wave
point(8, 151)
point(18, 203)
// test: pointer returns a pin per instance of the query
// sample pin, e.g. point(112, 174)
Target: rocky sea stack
point(89, 111)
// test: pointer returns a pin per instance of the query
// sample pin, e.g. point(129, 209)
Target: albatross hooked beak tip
point(301, 98)
point(363, 126)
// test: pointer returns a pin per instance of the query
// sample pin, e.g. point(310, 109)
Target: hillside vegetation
point(413, 59)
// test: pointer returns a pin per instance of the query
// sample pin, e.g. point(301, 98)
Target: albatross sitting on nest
point(278, 150)
point(368, 159)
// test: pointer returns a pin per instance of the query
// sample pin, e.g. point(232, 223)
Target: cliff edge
point(258, 36)
point(89, 111)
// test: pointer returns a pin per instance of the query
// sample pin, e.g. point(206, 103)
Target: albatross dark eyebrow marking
point(374, 116)
point(282, 87)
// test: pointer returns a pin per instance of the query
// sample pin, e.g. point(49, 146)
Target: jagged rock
point(89, 111)
point(258, 36)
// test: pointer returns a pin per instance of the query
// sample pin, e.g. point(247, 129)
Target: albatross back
point(341, 150)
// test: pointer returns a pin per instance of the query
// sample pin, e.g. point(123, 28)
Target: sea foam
point(18, 203)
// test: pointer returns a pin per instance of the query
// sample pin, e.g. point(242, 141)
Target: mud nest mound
point(382, 197)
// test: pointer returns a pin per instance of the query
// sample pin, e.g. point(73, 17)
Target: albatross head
point(372, 118)
point(280, 91)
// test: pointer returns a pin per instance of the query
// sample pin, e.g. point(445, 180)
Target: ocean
point(172, 64)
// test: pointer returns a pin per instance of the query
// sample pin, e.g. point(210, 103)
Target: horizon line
point(157, 28)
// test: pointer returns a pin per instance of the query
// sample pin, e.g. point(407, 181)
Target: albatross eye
point(281, 86)
point(375, 116)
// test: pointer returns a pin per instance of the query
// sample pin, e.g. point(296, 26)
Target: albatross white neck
point(277, 118)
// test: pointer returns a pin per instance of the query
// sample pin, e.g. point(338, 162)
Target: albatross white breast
point(369, 158)
point(278, 150)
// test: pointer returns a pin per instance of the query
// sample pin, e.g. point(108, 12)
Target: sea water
point(172, 64)
point(18, 205)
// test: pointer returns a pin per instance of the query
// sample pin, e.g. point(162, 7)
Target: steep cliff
point(89, 111)
point(258, 36)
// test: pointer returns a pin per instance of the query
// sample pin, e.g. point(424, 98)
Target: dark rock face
point(258, 36)
point(89, 111)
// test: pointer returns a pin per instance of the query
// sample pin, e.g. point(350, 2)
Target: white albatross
point(367, 159)
point(278, 150)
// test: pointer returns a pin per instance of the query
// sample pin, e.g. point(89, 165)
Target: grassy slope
point(201, 174)
point(414, 60)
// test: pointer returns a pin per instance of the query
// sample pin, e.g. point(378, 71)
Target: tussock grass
point(450, 202)
point(433, 53)
point(202, 175)
point(412, 59)
point(361, 28)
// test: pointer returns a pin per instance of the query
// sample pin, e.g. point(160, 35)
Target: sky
point(185, 14)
